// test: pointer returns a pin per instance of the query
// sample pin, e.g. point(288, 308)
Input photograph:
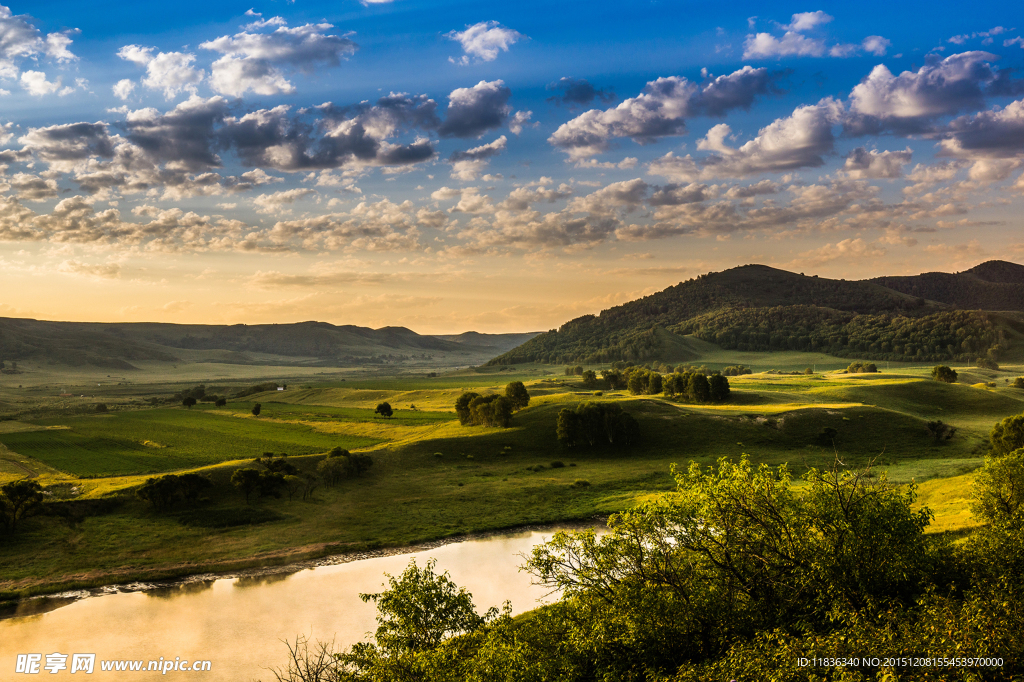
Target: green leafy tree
point(941, 431)
point(161, 491)
point(698, 390)
point(596, 425)
point(418, 612)
point(517, 395)
point(188, 402)
point(999, 488)
point(718, 388)
point(331, 470)
point(491, 410)
point(256, 409)
point(1007, 436)
point(247, 480)
point(221, 402)
point(589, 378)
point(945, 374)
point(1018, 382)
point(462, 407)
point(19, 499)
point(384, 410)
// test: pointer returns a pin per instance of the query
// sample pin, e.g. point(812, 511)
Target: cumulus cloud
point(277, 201)
point(997, 133)
point(862, 163)
point(484, 41)
point(794, 43)
point(253, 61)
point(30, 187)
point(791, 44)
point(20, 39)
point(123, 88)
point(380, 226)
point(911, 101)
point(473, 111)
point(577, 92)
point(171, 72)
point(521, 120)
point(660, 110)
point(801, 140)
point(470, 163)
point(35, 83)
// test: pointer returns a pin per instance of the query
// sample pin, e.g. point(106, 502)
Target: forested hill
point(755, 307)
point(994, 285)
point(120, 346)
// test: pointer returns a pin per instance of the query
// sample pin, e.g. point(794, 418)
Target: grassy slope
point(491, 478)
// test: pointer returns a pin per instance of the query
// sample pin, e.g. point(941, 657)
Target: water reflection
point(257, 580)
point(241, 630)
point(191, 587)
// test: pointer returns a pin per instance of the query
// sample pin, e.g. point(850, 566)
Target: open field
point(433, 477)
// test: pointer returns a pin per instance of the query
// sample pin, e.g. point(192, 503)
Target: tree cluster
point(341, 464)
point(596, 426)
point(163, 492)
point(474, 409)
point(862, 368)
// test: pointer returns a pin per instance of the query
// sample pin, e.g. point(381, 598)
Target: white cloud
point(907, 102)
point(35, 83)
point(847, 249)
point(862, 163)
point(660, 110)
point(275, 203)
point(171, 72)
point(484, 40)
point(791, 44)
point(805, 21)
point(253, 61)
point(470, 163)
point(123, 88)
point(520, 120)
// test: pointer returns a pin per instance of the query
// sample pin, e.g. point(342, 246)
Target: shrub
point(557, 465)
point(944, 374)
point(987, 363)
point(581, 483)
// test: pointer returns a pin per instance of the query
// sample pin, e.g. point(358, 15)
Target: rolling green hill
point(118, 346)
point(758, 308)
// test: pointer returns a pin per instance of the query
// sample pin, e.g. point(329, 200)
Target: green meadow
point(433, 478)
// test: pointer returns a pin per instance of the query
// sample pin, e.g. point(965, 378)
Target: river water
point(238, 624)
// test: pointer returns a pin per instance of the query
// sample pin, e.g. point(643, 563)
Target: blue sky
point(491, 166)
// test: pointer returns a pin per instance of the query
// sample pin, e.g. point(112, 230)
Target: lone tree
point(256, 409)
point(384, 410)
point(1007, 436)
point(188, 402)
point(221, 402)
point(944, 374)
point(941, 431)
point(589, 378)
point(517, 395)
point(19, 499)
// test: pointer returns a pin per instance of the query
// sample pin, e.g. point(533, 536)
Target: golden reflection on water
point(239, 624)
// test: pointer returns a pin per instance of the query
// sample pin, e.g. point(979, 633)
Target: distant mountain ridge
point(992, 285)
point(756, 307)
point(118, 345)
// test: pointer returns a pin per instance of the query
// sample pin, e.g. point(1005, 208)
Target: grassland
point(433, 477)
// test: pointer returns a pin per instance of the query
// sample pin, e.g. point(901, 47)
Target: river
point(238, 624)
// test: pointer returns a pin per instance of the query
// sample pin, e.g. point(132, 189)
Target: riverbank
point(297, 559)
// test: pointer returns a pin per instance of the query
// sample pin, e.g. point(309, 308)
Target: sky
point(498, 167)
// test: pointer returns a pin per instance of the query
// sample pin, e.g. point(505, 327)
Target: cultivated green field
point(154, 441)
point(433, 477)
